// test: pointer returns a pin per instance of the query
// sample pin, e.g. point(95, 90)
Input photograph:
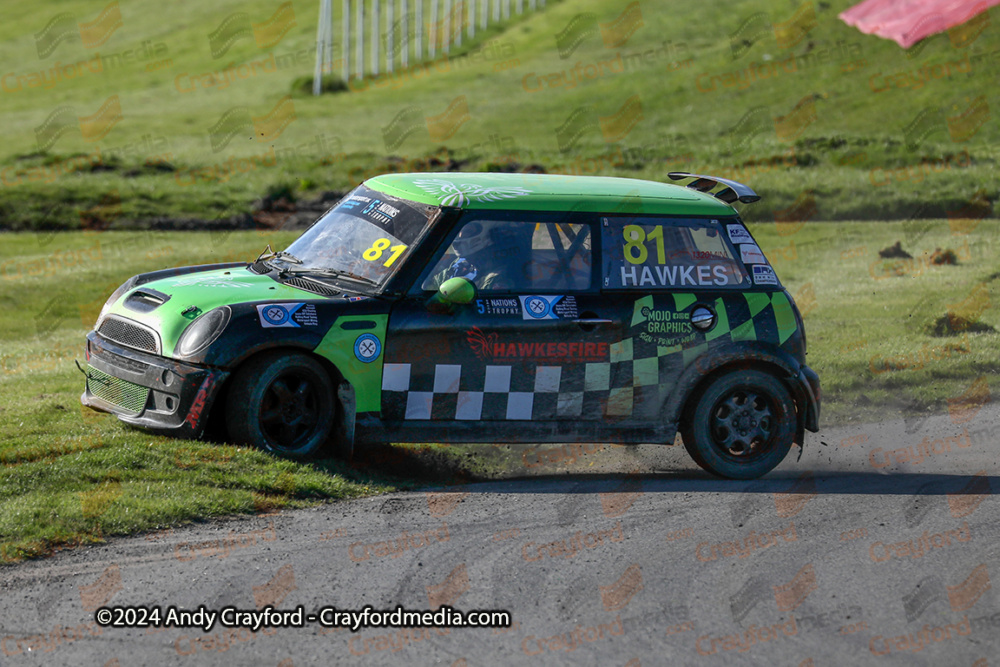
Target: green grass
point(69, 475)
point(868, 319)
point(834, 138)
point(72, 476)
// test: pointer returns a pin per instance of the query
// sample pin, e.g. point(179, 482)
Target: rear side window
point(667, 253)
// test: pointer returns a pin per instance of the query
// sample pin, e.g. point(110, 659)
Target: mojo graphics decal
point(539, 307)
point(490, 347)
point(664, 326)
point(287, 315)
point(367, 347)
point(459, 194)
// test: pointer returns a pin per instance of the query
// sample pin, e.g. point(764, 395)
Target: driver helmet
point(473, 239)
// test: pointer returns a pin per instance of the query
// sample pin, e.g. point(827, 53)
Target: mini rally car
point(453, 307)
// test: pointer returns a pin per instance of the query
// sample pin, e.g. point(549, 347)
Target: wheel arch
point(709, 367)
point(343, 397)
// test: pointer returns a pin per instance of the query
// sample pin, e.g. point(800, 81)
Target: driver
point(487, 255)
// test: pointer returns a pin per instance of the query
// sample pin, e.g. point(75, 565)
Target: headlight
point(125, 286)
point(203, 331)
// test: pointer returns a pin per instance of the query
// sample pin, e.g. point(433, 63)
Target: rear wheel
point(742, 426)
point(283, 403)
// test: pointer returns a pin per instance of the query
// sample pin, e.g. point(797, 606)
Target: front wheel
point(283, 403)
point(742, 426)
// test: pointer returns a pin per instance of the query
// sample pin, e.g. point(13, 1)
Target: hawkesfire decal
point(491, 348)
point(460, 194)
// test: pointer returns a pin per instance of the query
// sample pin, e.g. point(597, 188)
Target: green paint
point(721, 327)
point(637, 316)
point(783, 316)
point(366, 378)
point(692, 353)
point(757, 302)
point(646, 372)
point(621, 351)
point(549, 192)
point(204, 290)
point(682, 301)
point(745, 331)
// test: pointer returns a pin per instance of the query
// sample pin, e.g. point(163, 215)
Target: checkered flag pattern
point(453, 391)
point(635, 382)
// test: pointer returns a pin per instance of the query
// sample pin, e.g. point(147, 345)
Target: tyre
point(742, 425)
point(283, 403)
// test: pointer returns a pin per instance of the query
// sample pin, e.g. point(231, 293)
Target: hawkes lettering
point(673, 276)
point(491, 348)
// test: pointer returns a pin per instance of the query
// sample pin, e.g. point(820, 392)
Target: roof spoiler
point(732, 191)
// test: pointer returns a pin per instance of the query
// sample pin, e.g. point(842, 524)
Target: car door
point(531, 346)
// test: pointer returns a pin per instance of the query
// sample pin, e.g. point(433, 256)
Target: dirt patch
point(950, 325)
point(895, 252)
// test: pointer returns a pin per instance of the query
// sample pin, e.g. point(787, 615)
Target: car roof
point(548, 192)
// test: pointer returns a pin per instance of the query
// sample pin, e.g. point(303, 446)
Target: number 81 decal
point(379, 247)
point(635, 240)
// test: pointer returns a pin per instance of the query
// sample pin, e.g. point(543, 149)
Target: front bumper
point(155, 393)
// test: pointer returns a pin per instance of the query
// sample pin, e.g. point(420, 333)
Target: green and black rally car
point(455, 307)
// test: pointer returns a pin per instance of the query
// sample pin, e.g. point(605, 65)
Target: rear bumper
point(151, 392)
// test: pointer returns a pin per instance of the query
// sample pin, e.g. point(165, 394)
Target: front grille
point(310, 286)
point(128, 333)
point(126, 395)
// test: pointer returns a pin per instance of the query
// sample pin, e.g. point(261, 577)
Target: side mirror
point(457, 291)
point(453, 292)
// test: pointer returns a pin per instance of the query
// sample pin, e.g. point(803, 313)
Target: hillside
point(826, 123)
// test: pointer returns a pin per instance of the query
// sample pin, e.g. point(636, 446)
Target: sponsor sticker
point(367, 347)
point(287, 315)
point(764, 275)
point(737, 234)
point(499, 306)
point(751, 254)
point(548, 307)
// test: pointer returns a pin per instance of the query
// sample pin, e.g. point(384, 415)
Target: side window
point(560, 257)
point(668, 253)
point(504, 256)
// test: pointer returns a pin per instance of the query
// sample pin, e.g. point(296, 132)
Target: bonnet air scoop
point(145, 299)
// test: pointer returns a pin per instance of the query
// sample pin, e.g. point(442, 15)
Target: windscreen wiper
point(336, 273)
point(281, 254)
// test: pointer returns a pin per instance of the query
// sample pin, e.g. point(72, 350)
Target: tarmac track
point(627, 556)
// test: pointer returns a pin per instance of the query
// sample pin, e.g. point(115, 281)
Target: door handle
point(592, 321)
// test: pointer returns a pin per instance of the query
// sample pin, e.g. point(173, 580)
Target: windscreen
point(368, 235)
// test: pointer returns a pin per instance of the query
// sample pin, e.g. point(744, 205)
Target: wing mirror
point(453, 292)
